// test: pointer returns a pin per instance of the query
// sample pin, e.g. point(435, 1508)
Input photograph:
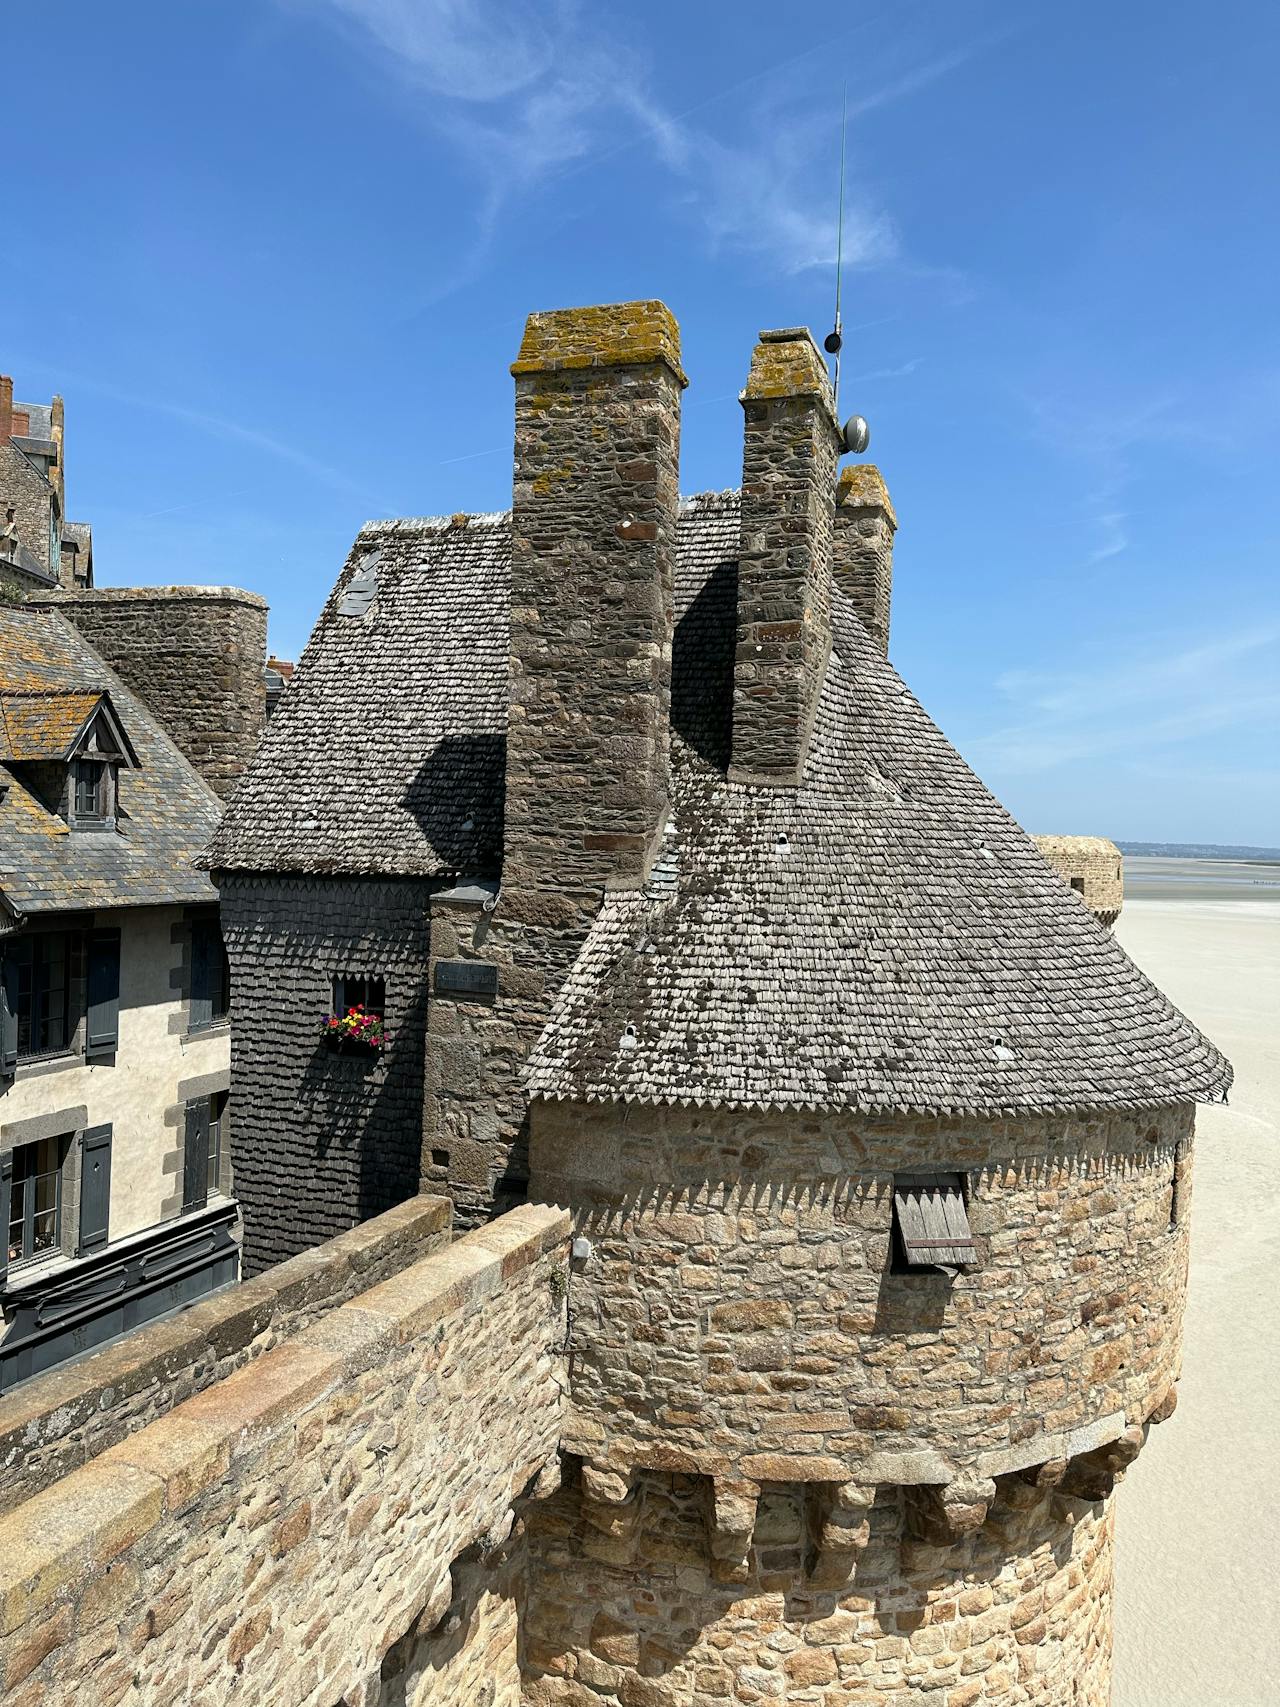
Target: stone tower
point(879, 1155)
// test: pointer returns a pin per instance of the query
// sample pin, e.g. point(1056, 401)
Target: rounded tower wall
point(1093, 867)
point(742, 1312)
point(1018, 1612)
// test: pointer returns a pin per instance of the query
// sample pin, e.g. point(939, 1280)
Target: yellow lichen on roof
point(615, 334)
point(43, 724)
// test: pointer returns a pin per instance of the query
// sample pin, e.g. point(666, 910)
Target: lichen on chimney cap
point(861, 487)
point(787, 363)
point(612, 334)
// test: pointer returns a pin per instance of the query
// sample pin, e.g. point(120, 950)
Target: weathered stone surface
point(331, 1531)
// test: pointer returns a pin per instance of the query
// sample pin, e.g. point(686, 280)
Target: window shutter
point(104, 994)
point(6, 1206)
point(195, 1155)
point(9, 1021)
point(202, 968)
point(95, 1187)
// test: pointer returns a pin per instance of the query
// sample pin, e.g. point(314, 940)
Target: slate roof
point(884, 937)
point(49, 671)
point(43, 723)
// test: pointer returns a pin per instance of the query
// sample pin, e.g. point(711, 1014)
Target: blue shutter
point(104, 994)
point(9, 1021)
point(195, 1155)
point(95, 1188)
point(6, 1205)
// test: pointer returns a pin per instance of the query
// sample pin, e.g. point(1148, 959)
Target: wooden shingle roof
point(884, 938)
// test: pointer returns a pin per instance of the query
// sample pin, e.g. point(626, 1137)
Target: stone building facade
point(115, 1115)
point(877, 1149)
point(39, 548)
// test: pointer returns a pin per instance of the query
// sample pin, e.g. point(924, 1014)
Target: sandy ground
point(1197, 1611)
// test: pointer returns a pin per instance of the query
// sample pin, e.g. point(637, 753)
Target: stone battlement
point(53, 1424)
point(334, 1522)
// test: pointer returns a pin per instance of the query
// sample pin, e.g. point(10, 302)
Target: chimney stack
point(592, 574)
point(6, 408)
point(790, 450)
point(863, 550)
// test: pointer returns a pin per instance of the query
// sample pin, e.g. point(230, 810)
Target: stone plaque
point(466, 978)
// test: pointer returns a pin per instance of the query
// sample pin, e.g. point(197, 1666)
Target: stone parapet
point(55, 1423)
point(334, 1523)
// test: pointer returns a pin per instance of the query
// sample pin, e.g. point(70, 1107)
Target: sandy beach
point(1197, 1608)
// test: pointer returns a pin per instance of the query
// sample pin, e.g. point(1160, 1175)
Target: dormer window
point(92, 787)
point(70, 746)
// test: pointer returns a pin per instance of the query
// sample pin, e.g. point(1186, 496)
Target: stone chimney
point(862, 556)
point(790, 450)
point(6, 408)
point(592, 572)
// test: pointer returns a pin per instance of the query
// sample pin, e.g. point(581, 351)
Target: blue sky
point(276, 254)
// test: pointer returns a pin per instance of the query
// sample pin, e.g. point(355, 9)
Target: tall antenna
point(834, 340)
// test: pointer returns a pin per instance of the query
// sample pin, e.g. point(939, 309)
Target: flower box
point(354, 1032)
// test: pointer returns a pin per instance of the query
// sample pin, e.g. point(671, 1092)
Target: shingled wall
point(336, 1523)
point(321, 1141)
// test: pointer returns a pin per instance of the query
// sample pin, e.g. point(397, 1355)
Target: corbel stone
point(733, 1521)
point(844, 1532)
point(611, 1509)
point(1094, 1474)
point(945, 1515)
point(1167, 1406)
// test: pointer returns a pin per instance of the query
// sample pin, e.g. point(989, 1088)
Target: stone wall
point(194, 655)
point(57, 1422)
point(740, 1314)
point(1094, 868)
point(321, 1141)
point(335, 1524)
point(1019, 1611)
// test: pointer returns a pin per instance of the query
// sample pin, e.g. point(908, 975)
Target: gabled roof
point(884, 938)
point(50, 677)
point(51, 723)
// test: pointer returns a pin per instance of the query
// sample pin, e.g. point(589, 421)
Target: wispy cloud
point(526, 92)
point(1137, 702)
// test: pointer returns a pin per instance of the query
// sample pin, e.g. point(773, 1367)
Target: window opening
point(35, 1204)
point(42, 992)
point(358, 990)
point(91, 789)
point(217, 1136)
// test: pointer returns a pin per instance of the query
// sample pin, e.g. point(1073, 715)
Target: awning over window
point(931, 1220)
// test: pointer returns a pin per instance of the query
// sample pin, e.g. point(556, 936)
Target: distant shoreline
point(1172, 877)
point(1215, 851)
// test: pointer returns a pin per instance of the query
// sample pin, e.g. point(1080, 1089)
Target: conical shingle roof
point(884, 938)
